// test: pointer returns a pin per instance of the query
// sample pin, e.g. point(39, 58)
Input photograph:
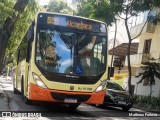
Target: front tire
point(73, 106)
point(15, 91)
point(100, 105)
point(126, 108)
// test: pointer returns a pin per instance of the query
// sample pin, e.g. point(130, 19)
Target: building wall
point(136, 59)
point(140, 89)
point(145, 90)
point(155, 52)
point(142, 38)
point(125, 70)
point(155, 43)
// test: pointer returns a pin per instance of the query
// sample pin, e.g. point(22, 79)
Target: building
point(149, 47)
point(120, 53)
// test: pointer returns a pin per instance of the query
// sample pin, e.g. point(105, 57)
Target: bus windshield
point(73, 53)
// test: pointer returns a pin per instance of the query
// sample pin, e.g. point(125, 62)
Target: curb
point(145, 109)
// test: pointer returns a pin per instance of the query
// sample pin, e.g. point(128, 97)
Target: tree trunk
point(7, 29)
point(3, 45)
point(128, 56)
point(150, 95)
point(113, 49)
point(3, 64)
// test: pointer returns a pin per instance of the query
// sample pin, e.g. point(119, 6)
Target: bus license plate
point(70, 100)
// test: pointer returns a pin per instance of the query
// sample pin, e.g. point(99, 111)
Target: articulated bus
point(62, 59)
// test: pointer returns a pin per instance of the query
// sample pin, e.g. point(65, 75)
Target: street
point(49, 110)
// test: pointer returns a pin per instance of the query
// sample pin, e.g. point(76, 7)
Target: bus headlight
point(101, 86)
point(38, 81)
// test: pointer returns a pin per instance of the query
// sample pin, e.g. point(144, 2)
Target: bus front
point(69, 60)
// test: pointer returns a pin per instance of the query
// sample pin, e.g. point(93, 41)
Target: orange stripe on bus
point(40, 94)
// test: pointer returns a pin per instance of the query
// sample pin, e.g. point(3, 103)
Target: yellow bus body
point(55, 91)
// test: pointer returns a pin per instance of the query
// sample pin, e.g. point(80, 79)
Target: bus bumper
point(40, 94)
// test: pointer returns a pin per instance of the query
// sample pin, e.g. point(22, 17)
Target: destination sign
point(69, 23)
point(72, 22)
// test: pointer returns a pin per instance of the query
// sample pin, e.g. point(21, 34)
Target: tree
point(59, 6)
point(131, 8)
point(109, 11)
point(6, 9)
point(14, 26)
point(151, 70)
point(99, 9)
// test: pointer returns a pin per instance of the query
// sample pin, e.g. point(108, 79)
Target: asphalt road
point(50, 111)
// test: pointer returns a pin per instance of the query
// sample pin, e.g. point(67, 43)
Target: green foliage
point(6, 9)
point(85, 8)
point(103, 10)
point(21, 26)
point(154, 19)
point(154, 101)
point(107, 10)
point(59, 6)
point(145, 5)
point(150, 71)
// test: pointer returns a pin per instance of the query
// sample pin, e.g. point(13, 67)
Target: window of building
point(147, 45)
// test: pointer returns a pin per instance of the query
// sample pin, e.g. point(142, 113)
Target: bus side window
point(30, 38)
point(30, 33)
point(29, 49)
point(22, 54)
point(18, 56)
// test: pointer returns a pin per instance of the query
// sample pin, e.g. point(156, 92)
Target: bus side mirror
point(30, 33)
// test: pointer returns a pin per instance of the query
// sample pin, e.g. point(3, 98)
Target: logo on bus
point(78, 70)
point(71, 87)
point(50, 51)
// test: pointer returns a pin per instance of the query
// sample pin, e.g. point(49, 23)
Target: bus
point(62, 59)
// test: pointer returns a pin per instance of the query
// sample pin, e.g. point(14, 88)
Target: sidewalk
point(3, 97)
point(147, 108)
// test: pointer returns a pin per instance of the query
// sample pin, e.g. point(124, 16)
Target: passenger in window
point(85, 54)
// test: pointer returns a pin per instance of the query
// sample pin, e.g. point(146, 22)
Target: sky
point(45, 2)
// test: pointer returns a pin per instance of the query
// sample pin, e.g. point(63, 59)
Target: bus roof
point(72, 16)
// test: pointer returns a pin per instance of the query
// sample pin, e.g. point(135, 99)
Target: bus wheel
point(100, 106)
point(73, 106)
point(24, 98)
point(15, 91)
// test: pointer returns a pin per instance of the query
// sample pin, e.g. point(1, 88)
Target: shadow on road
point(50, 109)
